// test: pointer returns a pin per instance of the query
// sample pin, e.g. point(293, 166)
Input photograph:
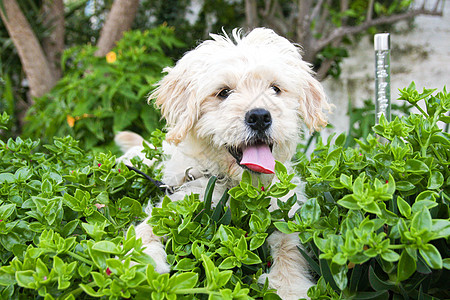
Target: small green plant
point(362, 119)
point(99, 96)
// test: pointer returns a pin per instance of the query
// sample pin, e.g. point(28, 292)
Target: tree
point(41, 61)
point(321, 26)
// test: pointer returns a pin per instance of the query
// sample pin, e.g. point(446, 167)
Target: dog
point(233, 104)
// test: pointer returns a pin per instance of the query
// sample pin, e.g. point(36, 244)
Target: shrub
point(378, 219)
point(375, 221)
point(98, 97)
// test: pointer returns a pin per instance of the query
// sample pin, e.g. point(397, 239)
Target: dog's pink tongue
point(258, 158)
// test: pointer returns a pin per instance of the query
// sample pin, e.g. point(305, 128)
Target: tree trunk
point(34, 62)
point(119, 19)
point(251, 14)
point(53, 11)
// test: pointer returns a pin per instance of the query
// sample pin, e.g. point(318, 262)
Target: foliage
point(63, 213)
point(362, 119)
point(388, 233)
point(375, 222)
point(98, 97)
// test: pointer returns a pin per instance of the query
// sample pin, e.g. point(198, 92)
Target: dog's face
point(245, 99)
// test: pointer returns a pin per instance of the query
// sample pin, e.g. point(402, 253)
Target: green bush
point(376, 222)
point(388, 234)
point(98, 97)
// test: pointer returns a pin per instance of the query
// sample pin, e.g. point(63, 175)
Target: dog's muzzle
point(256, 153)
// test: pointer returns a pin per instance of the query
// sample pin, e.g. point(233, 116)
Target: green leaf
point(390, 256)
point(339, 258)
point(106, 247)
point(257, 241)
point(183, 281)
point(219, 210)
point(422, 220)
point(242, 244)
point(403, 207)
point(251, 259)
point(99, 279)
point(441, 228)
point(427, 195)
point(228, 263)
point(435, 180)
point(58, 265)
point(90, 291)
point(349, 202)
point(416, 166)
point(346, 181)
point(406, 266)
point(117, 181)
point(6, 210)
point(421, 205)
point(283, 227)
point(6, 278)
point(326, 273)
point(446, 263)
point(185, 264)
point(208, 195)
point(46, 187)
point(7, 177)
point(373, 208)
point(377, 284)
point(405, 186)
point(280, 169)
point(255, 224)
point(431, 256)
point(26, 279)
point(310, 211)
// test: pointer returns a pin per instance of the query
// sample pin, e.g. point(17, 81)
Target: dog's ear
point(174, 96)
point(313, 104)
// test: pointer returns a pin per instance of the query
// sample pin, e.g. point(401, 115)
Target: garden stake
point(382, 77)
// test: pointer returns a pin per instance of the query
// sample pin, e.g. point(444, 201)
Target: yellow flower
point(111, 57)
point(70, 120)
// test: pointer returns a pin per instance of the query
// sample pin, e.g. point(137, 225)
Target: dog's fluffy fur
point(205, 98)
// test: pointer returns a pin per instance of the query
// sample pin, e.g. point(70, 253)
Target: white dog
point(233, 104)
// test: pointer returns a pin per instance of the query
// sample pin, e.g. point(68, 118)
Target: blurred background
point(75, 66)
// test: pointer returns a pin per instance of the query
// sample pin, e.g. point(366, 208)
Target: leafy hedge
point(375, 225)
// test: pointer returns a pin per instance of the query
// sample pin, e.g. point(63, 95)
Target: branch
point(316, 10)
point(323, 69)
point(349, 30)
point(267, 5)
point(323, 18)
point(269, 15)
point(370, 10)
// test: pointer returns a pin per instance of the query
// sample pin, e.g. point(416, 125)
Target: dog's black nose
point(258, 119)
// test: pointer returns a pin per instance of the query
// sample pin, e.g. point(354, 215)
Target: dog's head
point(243, 96)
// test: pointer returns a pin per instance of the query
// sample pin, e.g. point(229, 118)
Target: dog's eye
point(276, 89)
point(224, 93)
